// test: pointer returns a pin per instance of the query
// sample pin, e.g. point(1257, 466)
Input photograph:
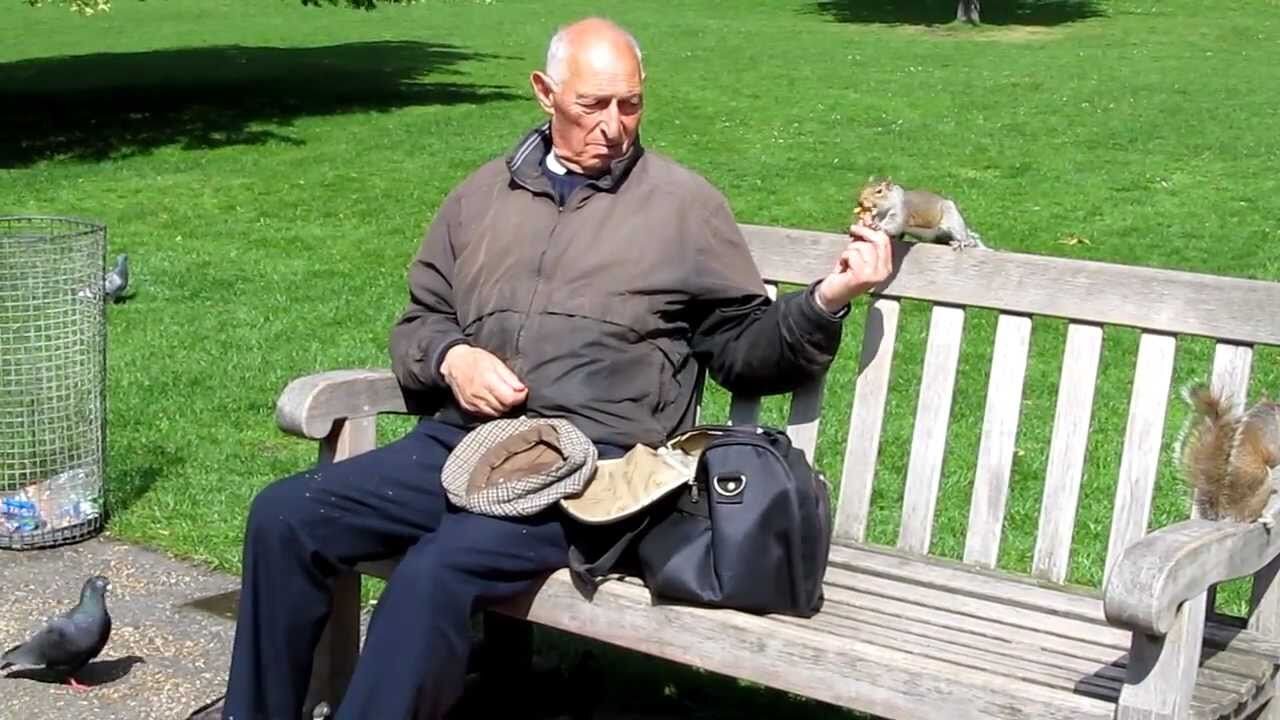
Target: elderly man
point(579, 277)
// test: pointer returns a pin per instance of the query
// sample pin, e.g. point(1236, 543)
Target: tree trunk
point(967, 11)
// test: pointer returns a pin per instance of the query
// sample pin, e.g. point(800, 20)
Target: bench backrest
point(1161, 305)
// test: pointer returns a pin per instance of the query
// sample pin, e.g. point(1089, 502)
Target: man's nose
point(611, 122)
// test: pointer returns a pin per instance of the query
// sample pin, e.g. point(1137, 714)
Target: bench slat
point(945, 600)
point(1066, 451)
point(1092, 639)
point(866, 419)
point(939, 609)
point(1016, 590)
point(929, 436)
point(805, 414)
point(1140, 461)
point(1232, 365)
point(968, 651)
point(1169, 301)
point(744, 409)
point(1223, 682)
point(999, 435)
point(767, 650)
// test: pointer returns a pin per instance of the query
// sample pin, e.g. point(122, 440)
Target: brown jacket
point(603, 308)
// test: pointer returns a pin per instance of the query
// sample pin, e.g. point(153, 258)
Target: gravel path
point(165, 656)
point(173, 625)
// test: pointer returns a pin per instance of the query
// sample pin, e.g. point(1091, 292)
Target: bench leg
point(1162, 670)
point(508, 645)
point(335, 657)
point(1264, 618)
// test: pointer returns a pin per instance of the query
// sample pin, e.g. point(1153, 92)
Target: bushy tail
point(1204, 453)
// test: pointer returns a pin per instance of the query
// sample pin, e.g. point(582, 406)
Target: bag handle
point(587, 576)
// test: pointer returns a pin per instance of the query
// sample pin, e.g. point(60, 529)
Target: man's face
point(596, 109)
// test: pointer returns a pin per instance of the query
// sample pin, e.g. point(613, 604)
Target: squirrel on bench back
point(1232, 459)
point(924, 215)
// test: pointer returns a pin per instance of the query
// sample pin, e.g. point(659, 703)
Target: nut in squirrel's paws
point(865, 217)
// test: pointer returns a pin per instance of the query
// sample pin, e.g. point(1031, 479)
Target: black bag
point(751, 531)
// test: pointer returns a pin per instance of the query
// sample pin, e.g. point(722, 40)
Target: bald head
point(593, 89)
point(595, 42)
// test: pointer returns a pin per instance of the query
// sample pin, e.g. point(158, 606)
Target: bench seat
point(906, 634)
point(971, 643)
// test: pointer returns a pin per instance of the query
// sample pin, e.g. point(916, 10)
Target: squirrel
point(1232, 459)
point(885, 205)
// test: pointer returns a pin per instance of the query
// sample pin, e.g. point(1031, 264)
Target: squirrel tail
point(1229, 457)
point(1204, 452)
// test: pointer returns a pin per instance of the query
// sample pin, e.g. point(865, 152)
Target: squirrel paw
point(1268, 518)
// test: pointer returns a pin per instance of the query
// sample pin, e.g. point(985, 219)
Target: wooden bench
point(906, 634)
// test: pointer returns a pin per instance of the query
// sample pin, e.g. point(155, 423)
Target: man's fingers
point(497, 388)
point(486, 404)
point(875, 237)
point(861, 256)
point(505, 374)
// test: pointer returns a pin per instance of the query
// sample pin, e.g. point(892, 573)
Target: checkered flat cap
point(518, 466)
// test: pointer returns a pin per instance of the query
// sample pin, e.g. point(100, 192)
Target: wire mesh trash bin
point(52, 381)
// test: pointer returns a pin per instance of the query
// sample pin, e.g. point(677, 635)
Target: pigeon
point(70, 640)
point(115, 282)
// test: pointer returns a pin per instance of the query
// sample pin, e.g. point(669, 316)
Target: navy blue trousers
point(304, 528)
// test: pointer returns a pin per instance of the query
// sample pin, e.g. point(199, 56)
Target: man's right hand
point(482, 384)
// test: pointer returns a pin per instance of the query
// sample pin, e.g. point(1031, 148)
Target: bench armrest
point(1156, 574)
point(309, 405)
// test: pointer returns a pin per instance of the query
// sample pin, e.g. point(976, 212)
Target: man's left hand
point(865, 263)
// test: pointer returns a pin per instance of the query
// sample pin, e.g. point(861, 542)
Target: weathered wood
point(1224, 675)
point(905, 635)
point(1161, 674)
point(999, 435)
point(1168, 301)
point(850, 672)
point(334, 660)
point(1141, 457)
point(929, 436)
point(310, 405)
point(866, 419)
point(806, 413)
point(1232, 366)
point(951, 577)
point(944, 600)
point(1157, 573)
point(1026, 655)
point(1264, 618)
point(1231, 369)
point(1067, 450)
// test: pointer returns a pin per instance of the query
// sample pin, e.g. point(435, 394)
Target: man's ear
point(544, 90)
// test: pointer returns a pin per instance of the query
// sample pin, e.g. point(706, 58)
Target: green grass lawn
point(270, 169)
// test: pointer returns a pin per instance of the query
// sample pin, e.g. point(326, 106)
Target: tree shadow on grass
point(131, 479)
point(938, 12)
point(113, 105)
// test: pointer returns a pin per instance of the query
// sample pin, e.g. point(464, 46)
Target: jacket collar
point(525, 163)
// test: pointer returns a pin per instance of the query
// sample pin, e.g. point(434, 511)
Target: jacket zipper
point(537, 278)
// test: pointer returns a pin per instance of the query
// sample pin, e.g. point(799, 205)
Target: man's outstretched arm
point(751, 344)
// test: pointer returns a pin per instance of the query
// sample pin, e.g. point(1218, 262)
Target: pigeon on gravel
point(70, 640)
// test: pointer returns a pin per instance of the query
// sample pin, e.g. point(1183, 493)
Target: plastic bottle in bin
point(20, 515)
point(57, 499)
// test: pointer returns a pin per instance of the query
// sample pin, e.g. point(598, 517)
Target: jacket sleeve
point(428, 327)
point(747, 342)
